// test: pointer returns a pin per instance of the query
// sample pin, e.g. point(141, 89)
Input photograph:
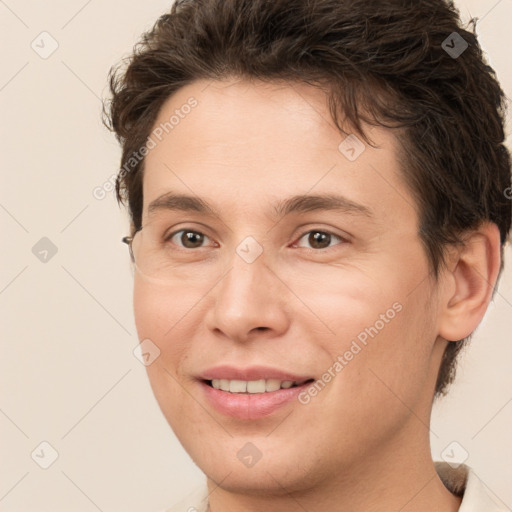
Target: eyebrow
point(295, 204)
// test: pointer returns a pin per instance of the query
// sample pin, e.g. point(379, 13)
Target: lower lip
point(250, 406)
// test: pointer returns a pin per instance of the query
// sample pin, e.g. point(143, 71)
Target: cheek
point(150, 312)
point(159, 310)
point(393, 366)
point(160, 316)
point(380, 334)
point(150, 318)
point(157, 314)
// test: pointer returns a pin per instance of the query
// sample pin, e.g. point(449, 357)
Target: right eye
point(187, 238)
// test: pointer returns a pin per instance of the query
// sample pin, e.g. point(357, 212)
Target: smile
point(251, 400)
point(253, 386)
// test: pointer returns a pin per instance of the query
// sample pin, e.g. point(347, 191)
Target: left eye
point(320, 239)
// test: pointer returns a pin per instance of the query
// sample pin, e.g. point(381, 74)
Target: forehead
point(249, 143)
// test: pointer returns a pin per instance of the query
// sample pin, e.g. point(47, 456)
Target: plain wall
point(67, 372)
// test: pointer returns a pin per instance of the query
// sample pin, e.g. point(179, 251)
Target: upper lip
point(250, 373)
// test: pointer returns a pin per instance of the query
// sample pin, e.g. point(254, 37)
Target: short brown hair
point(384, 63)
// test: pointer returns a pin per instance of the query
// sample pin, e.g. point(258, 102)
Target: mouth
point(252, 399)
point(250, 387)
point(251, 392)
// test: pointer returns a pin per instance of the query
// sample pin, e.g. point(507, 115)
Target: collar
point(462, 481)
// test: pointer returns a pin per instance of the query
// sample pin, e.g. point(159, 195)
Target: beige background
point(67, 372)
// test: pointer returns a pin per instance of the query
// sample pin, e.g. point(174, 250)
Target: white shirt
point(461, 481)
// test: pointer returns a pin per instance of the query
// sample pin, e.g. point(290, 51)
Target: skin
point(361, 444)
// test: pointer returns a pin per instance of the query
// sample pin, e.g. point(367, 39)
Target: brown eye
point(187, 238)
point(319, 239)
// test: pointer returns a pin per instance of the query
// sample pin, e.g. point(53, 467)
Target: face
point(305, 267)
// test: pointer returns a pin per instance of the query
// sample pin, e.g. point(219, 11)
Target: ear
point(471, 277)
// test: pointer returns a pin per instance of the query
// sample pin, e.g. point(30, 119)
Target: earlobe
point(473, 274)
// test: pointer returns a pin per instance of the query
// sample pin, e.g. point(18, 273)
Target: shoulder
point(463, 481)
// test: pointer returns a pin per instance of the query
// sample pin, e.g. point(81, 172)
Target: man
point(317, 193)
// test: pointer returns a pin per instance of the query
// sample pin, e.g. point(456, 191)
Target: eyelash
point(343, 240)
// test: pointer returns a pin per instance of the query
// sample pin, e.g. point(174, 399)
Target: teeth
point(251, 386)
point(272, 384)
point(256, 386)
point(237, 386)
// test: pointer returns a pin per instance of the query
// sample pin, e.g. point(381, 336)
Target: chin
point(254, 464)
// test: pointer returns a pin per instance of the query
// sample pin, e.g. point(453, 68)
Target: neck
point(400, 476)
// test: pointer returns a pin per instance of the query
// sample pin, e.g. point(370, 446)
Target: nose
point(248, 300)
